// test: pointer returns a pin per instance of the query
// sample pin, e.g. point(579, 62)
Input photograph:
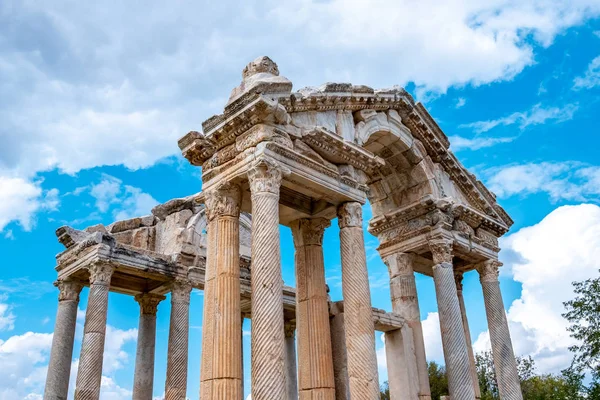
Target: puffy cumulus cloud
point(21, 199)
point(546, 258)
point(432, 337)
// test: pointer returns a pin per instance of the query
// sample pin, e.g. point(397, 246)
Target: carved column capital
point(289, 328)
point(68, 289)
point(441, 250)
point(148, 302)
point(223, 200)
point(101, 273)
point(265, 177)
point(308, 231)
point(399, 264)
point(489, 270)
point(180, 291)
point(349, 214)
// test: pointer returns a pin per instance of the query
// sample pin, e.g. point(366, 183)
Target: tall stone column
point(401, 364)
point(268, 341)
point(340, 355)
point(290, 360)
point(360, 333)
point(315, 363)
point(143, 378)
point(458, 276)
point(460, 382)
point(59, 368)
point(403, 290)
point(221, 372)
point(89, 375)
point(502, 350)
point(177, 358)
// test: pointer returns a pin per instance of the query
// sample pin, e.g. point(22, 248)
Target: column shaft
point(143, 378)
point(268, 341)
point(502, 350)
point(403, 380)
point(460, 382)
point(463, 311)
point(315, 372)
point(59, 368)
point(340, 358)
point(177, 358)
point(221, 372)
point(360, 333)
point(290, 361)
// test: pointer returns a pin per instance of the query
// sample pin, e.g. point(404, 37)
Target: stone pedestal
point(403, 290)
point(360, 335)
point(340, 357)
point(89, 375)
point(221, 373)
point(59, 368)
point(463, 311)
point(177, 358)
point(290, 361)
point(460, 382)
point(315, 364)
point(143, 379)
point(268, 341)
point(504, 357)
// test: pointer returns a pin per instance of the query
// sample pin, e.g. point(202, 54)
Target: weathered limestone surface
point(504, 358)
point(290, 360)
point(89, 375)
point(360, 335)
point(143, 378)
point(59, 367)
point(403, 380)
point(458, 276)
point(340, 355)
point(315, 364)
point(177, 358)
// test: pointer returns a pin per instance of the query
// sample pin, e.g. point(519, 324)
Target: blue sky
point(93, 98)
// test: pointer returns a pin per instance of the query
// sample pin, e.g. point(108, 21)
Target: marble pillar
point(315, 364)
point(502, 350)
point(268, 340)
point(143, 378)
point(59, 368)
point(458, 276)
point(290, 360)
point(221, 373)
point(403, 290)
point(340, 356)
point(360, 333)
point(177, 357)
point(403, 381)
point(460, 382)
point(89, 375)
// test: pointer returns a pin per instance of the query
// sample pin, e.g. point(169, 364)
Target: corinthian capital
point(488, 270)
point(180, 291)
point(349, 214)
point(149, 302)
point(224, 200)
point(400, 264)
point(441, 250)
point(309, 231)
point(100, 273)
point(265, 176)
point(69, 289)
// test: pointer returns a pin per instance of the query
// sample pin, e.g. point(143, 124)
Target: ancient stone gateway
point(300, 159)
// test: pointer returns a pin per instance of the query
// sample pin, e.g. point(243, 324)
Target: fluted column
point(458, 276)
point(143, 378)
point(403, 290)
point(502, 350)
point(315, 363)
point(290, 360)
point(59, 368)
point(177, 357)
point(89, 375)
point(340, 355)
point(268, 341)
point(221, 372)
point(460, 383)
point(360, 333)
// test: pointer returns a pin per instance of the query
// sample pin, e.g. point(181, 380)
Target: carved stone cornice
point(265, 177)
point(489, 270)
point(223, 201)
point(180, 291)
point(101, 273)
point(309, 231)
point(148, 302)
point(441, 250)
point(68, 289)
point(349, 215)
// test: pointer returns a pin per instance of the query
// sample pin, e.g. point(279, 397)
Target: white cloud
point(432, 336)
point(561, 181)
point(7, 318)
point(458, 143)
point(591, 77)
point(536, 116)
point(546, 258)
point(460, 102)
point(21, 200)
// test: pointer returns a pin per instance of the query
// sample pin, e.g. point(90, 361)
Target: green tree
point(438, 381)
point(384, 391)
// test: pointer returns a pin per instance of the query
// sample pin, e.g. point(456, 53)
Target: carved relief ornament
point(149, 302)
point(224, 200)
point(489, 270)
point(441, 250)
point(265, 176)
point(68, 289)
point(180, 291)
point(349, 215)
point(100, 273)
point(309, 231)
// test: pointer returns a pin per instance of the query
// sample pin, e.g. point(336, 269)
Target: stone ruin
point(300, 159)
